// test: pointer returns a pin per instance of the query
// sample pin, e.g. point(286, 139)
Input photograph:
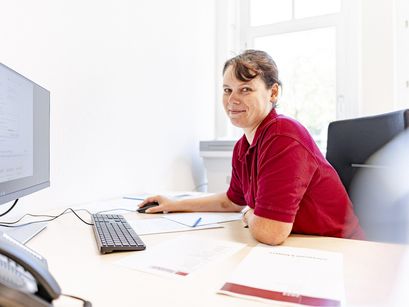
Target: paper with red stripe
point(289, 275)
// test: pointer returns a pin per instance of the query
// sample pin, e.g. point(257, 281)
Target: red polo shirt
point(283, 176)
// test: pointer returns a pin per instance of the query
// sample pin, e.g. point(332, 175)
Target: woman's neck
point(250, 133)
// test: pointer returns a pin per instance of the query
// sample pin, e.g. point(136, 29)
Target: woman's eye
point(246, 89)
point(227, 91)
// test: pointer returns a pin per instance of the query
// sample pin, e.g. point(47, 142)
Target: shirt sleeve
point(285, 170)
point(235, 191)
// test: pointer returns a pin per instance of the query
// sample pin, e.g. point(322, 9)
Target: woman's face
point(247, 103)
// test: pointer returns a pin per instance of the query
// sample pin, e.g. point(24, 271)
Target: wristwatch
point(244, 210)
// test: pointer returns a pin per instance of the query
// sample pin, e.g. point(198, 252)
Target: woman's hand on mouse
point(165, 204)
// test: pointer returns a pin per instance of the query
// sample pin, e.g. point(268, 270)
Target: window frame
point(236, 34)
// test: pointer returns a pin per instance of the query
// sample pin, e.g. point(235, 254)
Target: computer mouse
point(147, 206)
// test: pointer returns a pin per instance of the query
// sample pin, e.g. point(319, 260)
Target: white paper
point(190, 218)
point(181, 256)
point(289, 275)
point(162, 225)
point(112, 206)
point(173, 195)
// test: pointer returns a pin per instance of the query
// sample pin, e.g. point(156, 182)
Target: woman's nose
point(233, 99)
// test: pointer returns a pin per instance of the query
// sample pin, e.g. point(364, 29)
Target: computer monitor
point(24, 136)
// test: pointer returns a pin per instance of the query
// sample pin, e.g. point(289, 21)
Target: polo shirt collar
point(245, 146)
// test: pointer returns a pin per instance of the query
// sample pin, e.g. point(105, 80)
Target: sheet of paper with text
point(289, 275)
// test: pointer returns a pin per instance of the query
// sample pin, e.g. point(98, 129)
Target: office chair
point(350, 144)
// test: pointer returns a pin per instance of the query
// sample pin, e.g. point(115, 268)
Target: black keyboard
point(113, 233)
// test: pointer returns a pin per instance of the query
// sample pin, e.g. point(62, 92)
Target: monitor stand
point(24, 233)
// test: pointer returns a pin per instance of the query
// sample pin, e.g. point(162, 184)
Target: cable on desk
point(86, 303)
point(52, 217)
point(9, 209)
point(30, 214)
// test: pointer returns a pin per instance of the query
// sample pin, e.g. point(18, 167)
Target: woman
point(278, 170)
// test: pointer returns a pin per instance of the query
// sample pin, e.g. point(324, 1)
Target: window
point(315, 48)
point(306, 62)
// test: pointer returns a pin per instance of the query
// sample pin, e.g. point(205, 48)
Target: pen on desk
point(197, 222)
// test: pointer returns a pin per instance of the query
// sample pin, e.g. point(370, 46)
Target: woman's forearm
point(216, 202)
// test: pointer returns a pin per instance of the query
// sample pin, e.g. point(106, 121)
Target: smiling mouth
point(236, 111)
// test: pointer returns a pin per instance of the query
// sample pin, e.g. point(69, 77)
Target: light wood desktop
point(69, 245)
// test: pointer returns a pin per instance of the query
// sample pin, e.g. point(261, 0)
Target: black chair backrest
point(352, 141)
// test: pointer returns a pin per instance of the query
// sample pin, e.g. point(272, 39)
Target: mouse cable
point(52, 217)
point(86, 303)
point(9, 209)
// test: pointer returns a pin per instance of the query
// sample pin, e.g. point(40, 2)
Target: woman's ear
point(274, 93)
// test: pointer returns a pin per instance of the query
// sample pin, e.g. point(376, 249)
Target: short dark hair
point(253, 63)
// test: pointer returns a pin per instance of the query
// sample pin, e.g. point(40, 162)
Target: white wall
point(401, 53)
point(381, 59)
point(132, 91)
point(377, 56)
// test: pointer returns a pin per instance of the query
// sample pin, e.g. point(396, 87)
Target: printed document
point(289, 275)
point(191, 218)
point(162, 225)
point(181, 256)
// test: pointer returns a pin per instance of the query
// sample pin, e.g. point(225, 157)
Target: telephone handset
point(24, 276)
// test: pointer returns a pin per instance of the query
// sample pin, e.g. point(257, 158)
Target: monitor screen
point(24, 136)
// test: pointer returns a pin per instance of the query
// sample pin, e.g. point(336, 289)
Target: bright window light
point(307, 65)
point(264, 12)
point(310, 8)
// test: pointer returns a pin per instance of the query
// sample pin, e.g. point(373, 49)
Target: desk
point(69, 246)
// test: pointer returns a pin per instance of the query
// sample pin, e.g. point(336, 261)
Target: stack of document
point(289, 275)
point(162, 225)
point(175, 222)
point(194, 219)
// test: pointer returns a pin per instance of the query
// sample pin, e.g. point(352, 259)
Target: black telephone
point(24, 276)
